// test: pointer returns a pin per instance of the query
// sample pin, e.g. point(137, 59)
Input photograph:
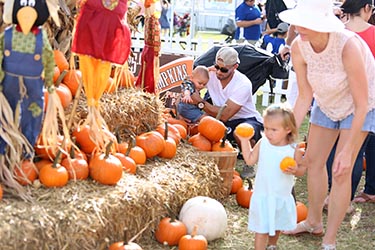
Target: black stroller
point(257, 64)
point(229, 29)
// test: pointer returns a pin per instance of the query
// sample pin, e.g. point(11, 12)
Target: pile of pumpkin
point(189, 231)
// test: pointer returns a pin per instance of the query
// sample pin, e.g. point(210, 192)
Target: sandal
point(328, 247)
point(271, 247)
point(363, 198)
point(304, 228)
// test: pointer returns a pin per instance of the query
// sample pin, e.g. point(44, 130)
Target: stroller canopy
point(257, 64)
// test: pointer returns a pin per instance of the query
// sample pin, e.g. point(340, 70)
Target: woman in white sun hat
point(336, 69)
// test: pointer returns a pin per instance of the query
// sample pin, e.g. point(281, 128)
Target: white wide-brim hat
point(316, 15)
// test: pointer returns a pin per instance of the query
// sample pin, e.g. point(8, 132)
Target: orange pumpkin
point(56, 74)
point(60, 60)
point(301, 211)
point(105, 168)
point(151, 142)
point(237, 183)
point(181, 129)
point(287, 162)
point(72, 80)
point(124, 245)
point(40, 162)
point(170, 148)
point(170, 231)
point(244, 130)
point(128, 164)
point(243, 195)
point(211, 128)
point(43, 152)
point(1, 192)
point(27, 173)
point(53, 175)
point(64, 94)
point(77, 167)
point(172, 120)
point(200, 142)
point(173, 132)
point(193, 241)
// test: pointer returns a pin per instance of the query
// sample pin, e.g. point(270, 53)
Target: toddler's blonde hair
point(289, 121)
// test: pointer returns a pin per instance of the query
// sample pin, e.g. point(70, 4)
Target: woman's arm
point(305, 93)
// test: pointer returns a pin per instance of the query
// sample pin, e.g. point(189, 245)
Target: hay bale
point(131, 110)
point(88, 215)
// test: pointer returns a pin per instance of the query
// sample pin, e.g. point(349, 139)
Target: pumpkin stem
point(173, 215)
point(61, 77)
point(218, 116)
point(108, 149)
point(194, 232)
point(165, 130)
point(222, 144)
point(72, 152)
point(131, 143)
point(57, 159)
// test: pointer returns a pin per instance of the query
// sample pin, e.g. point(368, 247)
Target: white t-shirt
point(238, 90)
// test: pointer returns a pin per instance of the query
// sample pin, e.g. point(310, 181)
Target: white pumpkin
point(206, 213)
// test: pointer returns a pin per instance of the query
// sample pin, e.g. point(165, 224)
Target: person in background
point(273, 8)
point(273, 207)
point(164, 19)
point(227, 86)
point(248, 20)
point(355, 15)
point(335, 67)
point(272, 43)
point(190, 112)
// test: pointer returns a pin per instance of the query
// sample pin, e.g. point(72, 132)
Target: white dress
point(272, 206)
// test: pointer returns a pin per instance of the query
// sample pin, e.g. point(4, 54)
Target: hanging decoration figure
point(149, 72)
point(27, 65)
point(101, 39)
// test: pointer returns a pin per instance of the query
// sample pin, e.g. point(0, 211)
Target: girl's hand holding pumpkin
point(244, 131)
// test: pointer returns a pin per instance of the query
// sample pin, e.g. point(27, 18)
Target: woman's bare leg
point(261, 241)
point(341, 188)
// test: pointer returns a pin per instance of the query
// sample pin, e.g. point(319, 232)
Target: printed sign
point(171, 76)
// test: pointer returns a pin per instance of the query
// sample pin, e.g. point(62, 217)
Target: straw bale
point(88, 215)
point(130, 110)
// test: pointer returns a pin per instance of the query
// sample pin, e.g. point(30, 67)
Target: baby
point(197, 82)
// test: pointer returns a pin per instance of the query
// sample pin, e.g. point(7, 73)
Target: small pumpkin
point(77, 167)
point(170, 231)
point(170, 149)
point(53, 174)
point(26, 173)
point(72, 80)
point(181, 129)
point(244, 129)
point(151, 142)
point(287, 162)
point(105, 168)
point(173, 132)
point(173, 120)
point(137, 153)
point(223, 145)
point(60, 60)
point(193, 241)
point(200, 142)
point(215, 220)
point(237, 183)
point(243, 195)
point(211, 128)
point(301, 211)
point(64, 94)
point(128, 164)
point(125, 245)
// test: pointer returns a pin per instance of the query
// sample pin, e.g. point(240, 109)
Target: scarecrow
point(149, 73)
point(101, 40)
point(27, 66)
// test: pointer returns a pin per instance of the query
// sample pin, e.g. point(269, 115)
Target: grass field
point(357, 231)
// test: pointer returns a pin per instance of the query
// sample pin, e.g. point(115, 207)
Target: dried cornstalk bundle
point(88, 215)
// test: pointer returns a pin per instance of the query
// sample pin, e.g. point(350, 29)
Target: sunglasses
point(222, 69)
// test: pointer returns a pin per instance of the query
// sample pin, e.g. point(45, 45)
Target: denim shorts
point(319, 118)
point(189, 111)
